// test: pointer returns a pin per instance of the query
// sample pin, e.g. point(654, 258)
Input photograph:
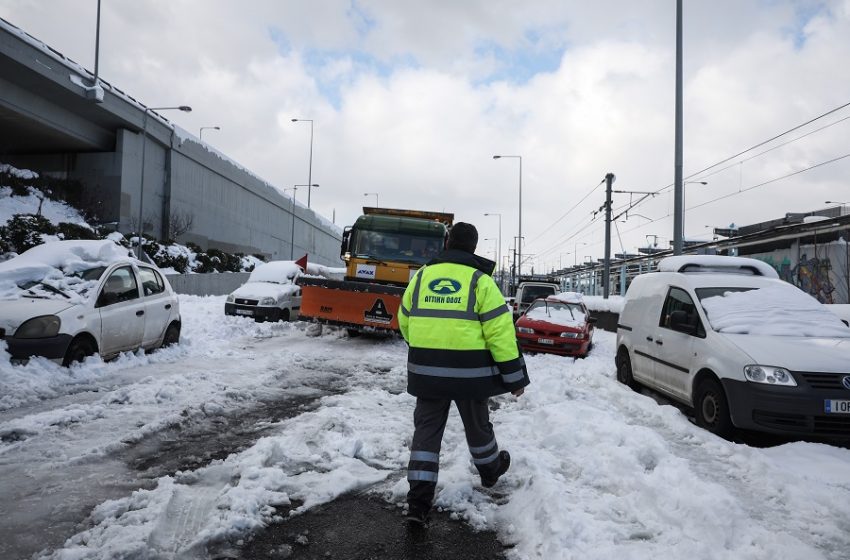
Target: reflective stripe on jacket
point(460, 331)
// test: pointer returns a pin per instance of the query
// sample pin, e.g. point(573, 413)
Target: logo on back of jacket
point(445, 290)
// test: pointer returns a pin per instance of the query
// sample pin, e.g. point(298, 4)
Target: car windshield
point(558, 312)
point(776, 310)
point(531, 293)
point(65, 286)
point(384, 246)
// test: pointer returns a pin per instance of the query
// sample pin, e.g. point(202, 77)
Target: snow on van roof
point(716, 263)
point(55, 261)
point(568, 297)
point(776, 310)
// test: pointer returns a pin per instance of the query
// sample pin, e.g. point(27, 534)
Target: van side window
point(678, 300)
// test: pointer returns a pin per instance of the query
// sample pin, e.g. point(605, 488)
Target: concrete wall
point(207, 284)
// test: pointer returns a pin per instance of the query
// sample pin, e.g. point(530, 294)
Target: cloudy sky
point(412, 99)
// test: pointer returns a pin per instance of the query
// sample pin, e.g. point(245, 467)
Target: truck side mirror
point(346, 238)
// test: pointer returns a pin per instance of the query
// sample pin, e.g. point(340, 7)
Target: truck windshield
point(403, 247)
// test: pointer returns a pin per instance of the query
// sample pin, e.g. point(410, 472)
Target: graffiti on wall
point(812, 275)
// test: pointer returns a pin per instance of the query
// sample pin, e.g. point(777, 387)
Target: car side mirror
point(591, 320)
point(679, 322)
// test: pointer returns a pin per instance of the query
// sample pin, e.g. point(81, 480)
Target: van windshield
point(531, 293)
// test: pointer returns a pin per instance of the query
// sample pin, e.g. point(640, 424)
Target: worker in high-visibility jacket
point(463, 348)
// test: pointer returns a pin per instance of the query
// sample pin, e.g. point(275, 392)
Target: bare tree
point(180, 223)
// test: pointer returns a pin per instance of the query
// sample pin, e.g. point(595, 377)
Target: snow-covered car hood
point(796, 353)
point(259, 290)
point(15, 312)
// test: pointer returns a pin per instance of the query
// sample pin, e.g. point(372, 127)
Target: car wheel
point(284, 315)
point(172, 335)
point(624, 371)
point(79, 349)
point(712, 409)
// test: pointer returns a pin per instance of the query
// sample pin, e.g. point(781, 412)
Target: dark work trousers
point(429, 420)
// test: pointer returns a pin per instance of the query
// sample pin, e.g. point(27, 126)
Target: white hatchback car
point(746, 350)
point(66, 300)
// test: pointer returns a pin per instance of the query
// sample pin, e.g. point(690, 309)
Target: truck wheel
point(79, 349)
point(712, 409)
point(624, 371)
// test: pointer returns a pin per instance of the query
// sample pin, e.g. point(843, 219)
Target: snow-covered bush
point(25, 231)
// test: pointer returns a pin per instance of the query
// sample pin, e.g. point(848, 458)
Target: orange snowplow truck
point(382, 251)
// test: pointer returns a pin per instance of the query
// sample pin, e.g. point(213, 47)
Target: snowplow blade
point(362, 306)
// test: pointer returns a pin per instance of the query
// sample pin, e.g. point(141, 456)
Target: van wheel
point(624, 371)
point(712, 409)
point(79, 349)
point(284, 315)
point(172, 336)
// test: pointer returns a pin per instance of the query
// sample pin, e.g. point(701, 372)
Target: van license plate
point(244, 312)
point(545, 341)
point(836, 407)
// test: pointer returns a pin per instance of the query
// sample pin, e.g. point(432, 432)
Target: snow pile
point(54, 211)
point(614, 304)
point(19, 173)
point(780, 310)
point(58, 264)
point(278, 272)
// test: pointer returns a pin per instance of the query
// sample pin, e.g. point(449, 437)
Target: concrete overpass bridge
point(53, 121)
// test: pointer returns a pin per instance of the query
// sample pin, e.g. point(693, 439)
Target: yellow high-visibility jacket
point(460, 331)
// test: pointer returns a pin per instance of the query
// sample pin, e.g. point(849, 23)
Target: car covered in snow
point(558, 324)
point(745, 350)
point(66, 300)
point(270, 294)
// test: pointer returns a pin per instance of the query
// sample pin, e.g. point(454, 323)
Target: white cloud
point(423, 135)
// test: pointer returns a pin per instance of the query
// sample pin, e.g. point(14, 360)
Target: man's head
point(463, 237)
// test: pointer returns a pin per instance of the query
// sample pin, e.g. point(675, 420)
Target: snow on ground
point(55, 211)
point(598, 471)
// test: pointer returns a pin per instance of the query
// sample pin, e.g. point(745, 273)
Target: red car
point(558, 324)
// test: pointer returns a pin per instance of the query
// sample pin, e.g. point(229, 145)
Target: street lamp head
point(185, 108)
point(496, 157)
point(217, 127)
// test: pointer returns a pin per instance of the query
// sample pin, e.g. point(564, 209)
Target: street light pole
point(203, 128)
point(376, 197)
point(499, 257)
point(310, 170)
point(292, 234)
point(519, 248)
point(185, 109)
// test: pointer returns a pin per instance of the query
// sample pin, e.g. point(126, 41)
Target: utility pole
point(678, 206)
point(606, 272)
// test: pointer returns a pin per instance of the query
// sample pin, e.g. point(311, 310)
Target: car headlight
point(769, 375)
point(268, 301)
point(39, 327)
point(231, 298)
point(572, 335)
point(524, 330)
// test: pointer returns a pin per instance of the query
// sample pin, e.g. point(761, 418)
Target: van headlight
point(769, 375)
point(524, 330)
point(268, 301)
point(39, 327)
point(231, 298)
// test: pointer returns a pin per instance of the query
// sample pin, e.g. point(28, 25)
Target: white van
point(527, 292)
point(746, 350)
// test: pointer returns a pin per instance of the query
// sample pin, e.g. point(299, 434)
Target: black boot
point(417, 515)
point(487, 481)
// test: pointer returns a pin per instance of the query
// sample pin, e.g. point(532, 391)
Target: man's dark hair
point(463, 236)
